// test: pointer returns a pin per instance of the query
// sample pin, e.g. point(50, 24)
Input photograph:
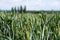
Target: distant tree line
point(19, 9)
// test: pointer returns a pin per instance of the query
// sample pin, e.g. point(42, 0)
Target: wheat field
point(29, 26)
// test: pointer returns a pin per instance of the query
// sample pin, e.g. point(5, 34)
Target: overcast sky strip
point(31, 4)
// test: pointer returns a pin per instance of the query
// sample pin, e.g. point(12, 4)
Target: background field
point(30, 26)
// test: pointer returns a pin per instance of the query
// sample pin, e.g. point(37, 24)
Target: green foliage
point(29, 26)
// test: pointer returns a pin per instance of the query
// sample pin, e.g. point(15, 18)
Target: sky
point(31, 4)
